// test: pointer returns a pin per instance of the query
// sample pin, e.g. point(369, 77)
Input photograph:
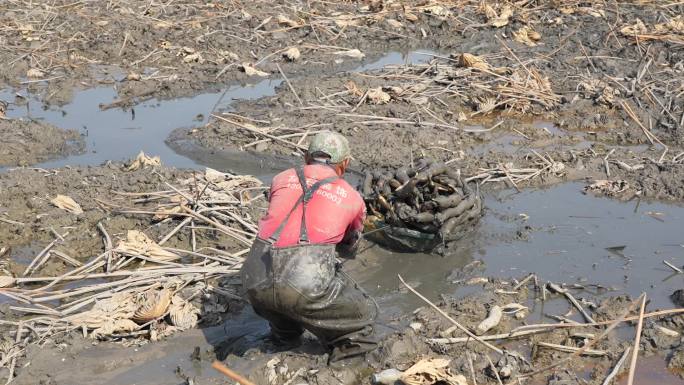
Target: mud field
point(121, 267)
point(30, 142)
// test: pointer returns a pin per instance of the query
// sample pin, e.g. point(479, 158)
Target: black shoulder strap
point(307, 194)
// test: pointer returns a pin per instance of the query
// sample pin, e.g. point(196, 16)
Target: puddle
point(510, 142)
point(549, 127)
point(506, 143)
point(397, 58)
point(651, 370)
point(567, 244)
point(119, 134)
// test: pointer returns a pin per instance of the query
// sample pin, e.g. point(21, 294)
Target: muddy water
point(563, 236)
point(117, 134)
point(558, 233)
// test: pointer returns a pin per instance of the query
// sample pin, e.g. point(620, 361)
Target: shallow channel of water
point(558, 233)
point(566, 242)
point(118, 134)
point(561, 235)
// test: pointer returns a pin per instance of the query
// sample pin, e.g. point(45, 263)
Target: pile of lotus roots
point(420, 207)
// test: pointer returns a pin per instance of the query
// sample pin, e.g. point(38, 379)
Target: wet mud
point(178, 49)
point(26, 142)
point(242, 340)
point(549, 93)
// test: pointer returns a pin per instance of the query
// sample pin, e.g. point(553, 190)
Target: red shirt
point(336, 209)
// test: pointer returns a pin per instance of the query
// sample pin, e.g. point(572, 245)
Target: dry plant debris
point(140, 289)
point(67, 203)
point(432, 371)
point(137, 243)
point(142, 161)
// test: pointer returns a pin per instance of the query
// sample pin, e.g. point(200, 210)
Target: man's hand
point(349, 246)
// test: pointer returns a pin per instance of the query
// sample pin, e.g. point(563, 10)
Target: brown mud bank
point(511, 346)
point(509, 150)
point(516, 343)
point(171, 50)
point(573, 252)
point(32, 220)
point(118, 252)
point(581, 85)
point(26, 142)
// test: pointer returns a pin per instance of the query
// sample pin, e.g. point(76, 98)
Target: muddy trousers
point(300, 288)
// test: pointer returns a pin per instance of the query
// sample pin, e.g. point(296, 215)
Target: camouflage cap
point(335, 145)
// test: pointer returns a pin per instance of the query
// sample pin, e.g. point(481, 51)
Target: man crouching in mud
point(291, 275)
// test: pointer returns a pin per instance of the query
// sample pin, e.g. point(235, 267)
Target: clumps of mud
point(26, 142)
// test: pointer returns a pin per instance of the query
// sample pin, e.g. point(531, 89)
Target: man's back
point(297, 285)
point(334, 210)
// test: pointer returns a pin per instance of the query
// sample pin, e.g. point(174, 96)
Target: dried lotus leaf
point(142, 160)
point(114, 326)
point(468, 60)
point(183, 314)
point(676, 24)
point(124, 325)
point(34, 73)
point(608, 187)
point(118, 305)
point(378, 96)
point(152, 305)
point(67, 203)
point(394, 23)
point(193, 58)
point(637, 28)
point(250, 70)
point(527, 36)
point(461, 117)
point(437, 10)
point(485, 105)
point(282, 19)
point(91, 319)
point(137, 243)
point(503, 18)
point(7, 281)
point(352, 88)
point(242, 181)
point(352, 53)
point(431, 371)
point(214, 176)
point(6, 346)
point(292, 54)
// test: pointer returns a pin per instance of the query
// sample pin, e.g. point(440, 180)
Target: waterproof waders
point(301, 288)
